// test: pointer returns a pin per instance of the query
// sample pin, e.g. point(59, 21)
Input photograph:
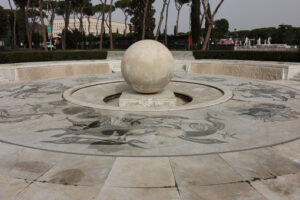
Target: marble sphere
point(147, 66)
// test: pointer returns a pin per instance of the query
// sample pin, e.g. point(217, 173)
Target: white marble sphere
point(147, 66)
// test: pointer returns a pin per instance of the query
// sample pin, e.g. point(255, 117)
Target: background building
point(94, 28)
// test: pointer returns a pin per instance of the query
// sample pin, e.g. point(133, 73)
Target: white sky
point(241, 14)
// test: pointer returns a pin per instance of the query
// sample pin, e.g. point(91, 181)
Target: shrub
point(35, 56)
point(282, 56)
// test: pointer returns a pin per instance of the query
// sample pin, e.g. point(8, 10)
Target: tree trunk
point(210, 20)
point(43, 26)
point(15, 24)
point(110, 27)
point(144, 20)
point(28, 29)
point(125, 31)
point(166, 24)
point(14, 29)
point(66, 19)
point(160, 20)
point(97, 25)
point(177, 20)
point(102, 24)
point(89, 24)
point(81, 30)
point(52, 18)
point(207, 37)
point(74, 22)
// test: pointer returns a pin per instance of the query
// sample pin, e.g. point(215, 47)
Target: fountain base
point(162, 99)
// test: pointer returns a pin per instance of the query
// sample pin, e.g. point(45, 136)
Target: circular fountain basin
point(189, 95)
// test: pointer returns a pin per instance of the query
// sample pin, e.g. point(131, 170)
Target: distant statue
point(259, 41)
point(269, 40)
point(265, 42)
point(246, 41)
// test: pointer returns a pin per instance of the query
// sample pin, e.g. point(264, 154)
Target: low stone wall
point(60, 69)
point(246, 69)
point(50, 70)
point(178, 55)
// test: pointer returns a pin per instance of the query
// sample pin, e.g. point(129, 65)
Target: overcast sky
point(241, 14)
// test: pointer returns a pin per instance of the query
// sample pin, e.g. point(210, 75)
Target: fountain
point(147, 68)
point(152, 108)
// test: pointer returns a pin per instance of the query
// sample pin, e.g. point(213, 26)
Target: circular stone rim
point(227, 95)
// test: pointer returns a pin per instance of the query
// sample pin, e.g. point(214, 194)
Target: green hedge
point(283, 56)
point(35, 56)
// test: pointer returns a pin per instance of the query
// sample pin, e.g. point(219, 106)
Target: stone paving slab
point(282, 188)
point(79, 170)
point(261, 163)
point(28, 164)
point(6, 149)
point(290, 150)
point(10, 187)
point(235, 191)
point(141, 172)
point(41, 191)
point(113, 193)
point(202, 170)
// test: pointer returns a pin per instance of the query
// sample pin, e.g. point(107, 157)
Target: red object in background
point(57, 41)
point(191, 40)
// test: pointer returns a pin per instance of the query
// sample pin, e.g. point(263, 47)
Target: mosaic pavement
point(244, 148)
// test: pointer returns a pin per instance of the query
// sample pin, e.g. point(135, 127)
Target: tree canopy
point(137, 12)
point(3, 21)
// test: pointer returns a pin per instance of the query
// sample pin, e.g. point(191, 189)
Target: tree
point(166, 22)
point(103, 2)
point(124, 6)
point(14, 11)
point(98, 12)
point(142, 19)
point(50, 6)
point(66, 14)
point(3, 21)
point(79, 7)
point(110, 26)
point(161, 18)
point(210, 20)
point(221, 29)
point(31, 16)
point(43, 25)
point(109, 23)
point(206, 21)
point(21, 27)
point(89, 12)
point(64, 9)
point(195, 21)
point(178, 5)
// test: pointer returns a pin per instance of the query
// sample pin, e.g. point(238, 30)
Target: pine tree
point(137, 11)
point(195, 21)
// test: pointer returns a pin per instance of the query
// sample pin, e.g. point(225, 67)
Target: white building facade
point(95, 26)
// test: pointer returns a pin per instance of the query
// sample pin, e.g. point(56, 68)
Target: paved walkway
point(247, 148)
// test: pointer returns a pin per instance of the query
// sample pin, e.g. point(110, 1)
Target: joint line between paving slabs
point(249, 183)
point(35, 180)
point(100, 192)
point(176, 185)
point(243, 178)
